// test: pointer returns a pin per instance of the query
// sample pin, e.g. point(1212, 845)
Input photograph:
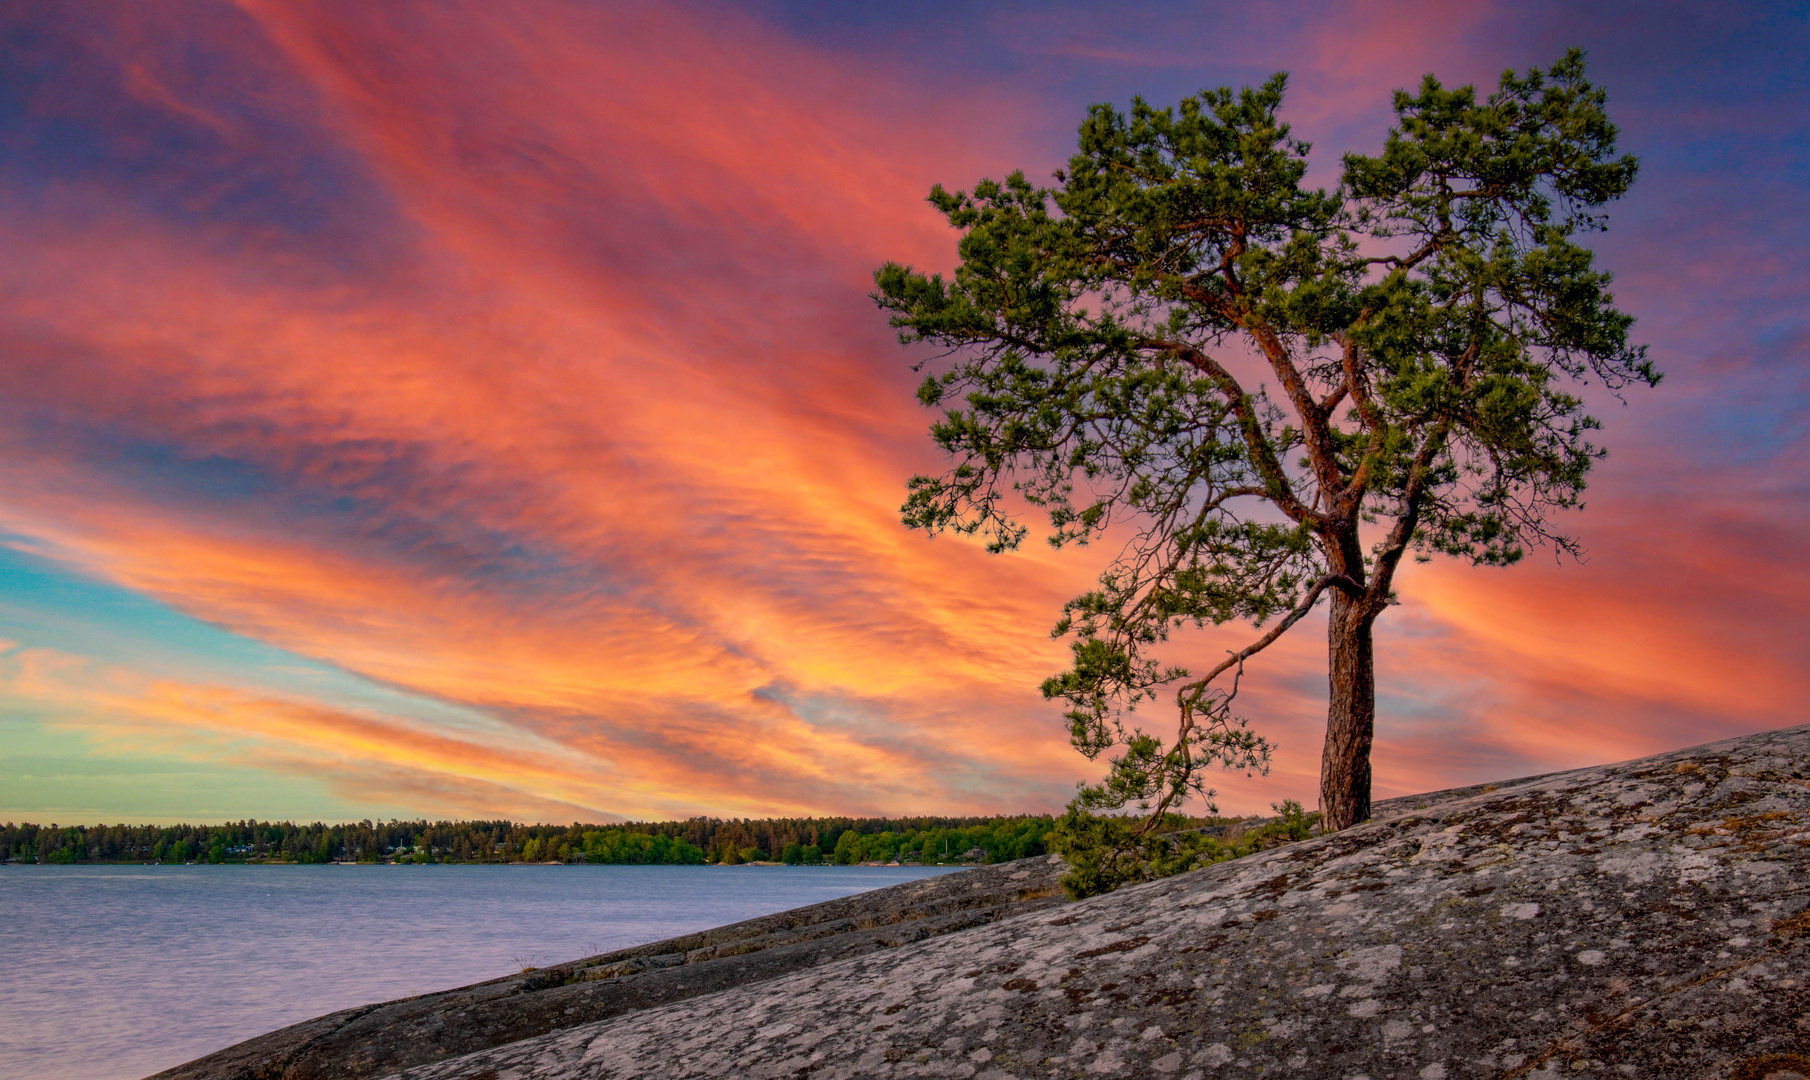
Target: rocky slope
point(1648, 919)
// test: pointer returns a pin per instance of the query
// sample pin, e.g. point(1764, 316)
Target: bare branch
point(1427, 250)
point(1188, 696)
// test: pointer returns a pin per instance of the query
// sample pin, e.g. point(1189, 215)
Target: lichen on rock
point(1647, 919)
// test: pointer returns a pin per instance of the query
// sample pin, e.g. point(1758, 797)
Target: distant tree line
point(795, 841)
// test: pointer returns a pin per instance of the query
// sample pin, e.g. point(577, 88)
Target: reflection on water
point(112, 973)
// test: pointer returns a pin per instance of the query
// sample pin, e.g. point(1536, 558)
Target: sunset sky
point(476, 410)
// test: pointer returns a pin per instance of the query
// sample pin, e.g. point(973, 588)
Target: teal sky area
point(65, 764)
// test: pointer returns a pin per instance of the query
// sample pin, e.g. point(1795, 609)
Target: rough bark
point(1350, 715)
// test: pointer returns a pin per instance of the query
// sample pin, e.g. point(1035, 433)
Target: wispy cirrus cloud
point(517, 361)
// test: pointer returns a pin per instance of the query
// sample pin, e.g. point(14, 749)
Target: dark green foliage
point(1181, 339)
point(621, 846)
point(1105, 852)
point(699, 840)
point(848, 848)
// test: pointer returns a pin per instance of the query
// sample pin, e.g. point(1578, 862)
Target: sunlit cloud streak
point(517, 360)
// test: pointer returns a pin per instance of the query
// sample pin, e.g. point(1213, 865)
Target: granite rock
point(1646, 919)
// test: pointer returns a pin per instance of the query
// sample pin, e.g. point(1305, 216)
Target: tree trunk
point(1350, 715)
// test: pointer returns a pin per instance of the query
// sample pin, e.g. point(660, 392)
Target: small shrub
point(1105, 852)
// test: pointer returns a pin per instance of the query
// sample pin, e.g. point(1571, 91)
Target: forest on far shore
point(796, 841)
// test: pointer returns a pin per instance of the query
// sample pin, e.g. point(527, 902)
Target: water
point(117, 972)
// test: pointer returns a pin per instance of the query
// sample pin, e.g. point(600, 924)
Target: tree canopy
point(1272, 391)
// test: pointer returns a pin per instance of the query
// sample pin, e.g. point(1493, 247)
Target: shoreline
point(700, 866)
point(1598, 918)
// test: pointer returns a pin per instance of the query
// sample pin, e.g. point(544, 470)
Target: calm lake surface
point(117, 972)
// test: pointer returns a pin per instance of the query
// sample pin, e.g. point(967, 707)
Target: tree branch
point(1390, 553)
point(1187, 697)
point(1315, 434)
point(1357, 381)
point(1277, 488)
point(1408, 262)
